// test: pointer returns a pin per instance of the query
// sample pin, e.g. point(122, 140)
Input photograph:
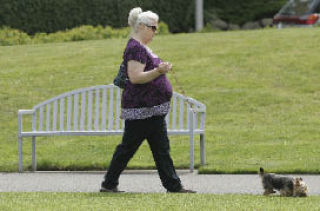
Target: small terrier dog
point(287, 186)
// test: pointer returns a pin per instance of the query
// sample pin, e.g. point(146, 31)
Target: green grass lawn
point(261, 89)
point(131, 201)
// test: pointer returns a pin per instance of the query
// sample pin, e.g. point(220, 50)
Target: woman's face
point(148, 31)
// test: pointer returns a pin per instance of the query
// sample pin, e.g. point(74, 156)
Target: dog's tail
point(261, 172)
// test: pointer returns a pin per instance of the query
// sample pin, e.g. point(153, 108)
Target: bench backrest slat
point(75, 111)
point(69, 114)
point(34, 121)
point(181, 112)
point(83, 111)
point(62, 114)
point(104, 109)
point(96, 116)
point(40, 118)
point(174, 111)
point(89, 120)
point(202, 120)
point(55, 114)
point(188, 117)
point(168, 120)
point(118, 102)
point(195, 126)
point(47, 118)
point(110, 115)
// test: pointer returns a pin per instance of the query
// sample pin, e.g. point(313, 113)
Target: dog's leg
point(268, 192)
point(286, 192)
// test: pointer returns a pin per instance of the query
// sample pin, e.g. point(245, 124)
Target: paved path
point(137, 181)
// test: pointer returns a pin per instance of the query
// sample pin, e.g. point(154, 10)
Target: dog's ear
point(300, 178)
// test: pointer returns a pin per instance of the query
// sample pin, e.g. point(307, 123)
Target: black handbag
point(121, 79)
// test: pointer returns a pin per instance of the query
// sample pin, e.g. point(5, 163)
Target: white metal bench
point(95, 111)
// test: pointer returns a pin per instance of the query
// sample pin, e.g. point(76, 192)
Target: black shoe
point(112, 190)
point(182, 190)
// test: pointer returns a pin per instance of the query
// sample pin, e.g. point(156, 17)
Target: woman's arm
point(138, 76)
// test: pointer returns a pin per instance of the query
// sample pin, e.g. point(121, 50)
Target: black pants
point(154, 129)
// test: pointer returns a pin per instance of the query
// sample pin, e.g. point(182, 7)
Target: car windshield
point(297, 7)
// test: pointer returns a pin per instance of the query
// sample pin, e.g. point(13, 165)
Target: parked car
point(298, 13)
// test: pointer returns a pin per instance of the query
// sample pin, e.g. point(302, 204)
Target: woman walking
point(144, 105)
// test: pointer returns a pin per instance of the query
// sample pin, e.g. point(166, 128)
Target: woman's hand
point(164, 67)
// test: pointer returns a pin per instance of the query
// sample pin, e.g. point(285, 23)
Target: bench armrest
point(196, 105)
point(24, 111)
point(20, 113)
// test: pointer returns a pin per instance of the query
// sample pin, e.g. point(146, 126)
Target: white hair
point(136, 17)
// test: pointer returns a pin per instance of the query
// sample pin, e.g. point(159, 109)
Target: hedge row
point(9, 36)
point(48, 16)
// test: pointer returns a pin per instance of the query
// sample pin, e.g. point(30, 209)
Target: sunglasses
point(153, 28)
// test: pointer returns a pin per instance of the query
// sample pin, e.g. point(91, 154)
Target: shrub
point(163, 28)
point(9, 36)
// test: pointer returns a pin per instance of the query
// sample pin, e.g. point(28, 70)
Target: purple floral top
point(140, 101)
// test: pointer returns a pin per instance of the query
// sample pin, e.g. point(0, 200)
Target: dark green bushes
point(32, 16)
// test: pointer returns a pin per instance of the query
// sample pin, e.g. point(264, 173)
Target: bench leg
point(20, 154)
point(34, 158)
point(202, 150)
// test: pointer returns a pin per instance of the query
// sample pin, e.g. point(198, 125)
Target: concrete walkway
point(138, 181)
